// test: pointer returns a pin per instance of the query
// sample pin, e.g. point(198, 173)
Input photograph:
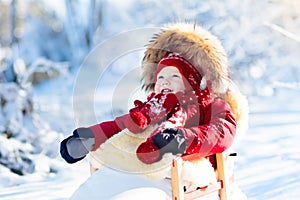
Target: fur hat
point(202, 49)
point(206, 53)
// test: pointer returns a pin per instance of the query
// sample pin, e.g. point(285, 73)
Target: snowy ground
point(269, 161)
point(59, 186)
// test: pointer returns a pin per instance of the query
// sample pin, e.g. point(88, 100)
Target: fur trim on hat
point(196, 45)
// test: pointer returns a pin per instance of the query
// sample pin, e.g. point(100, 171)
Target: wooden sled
point(178, 192)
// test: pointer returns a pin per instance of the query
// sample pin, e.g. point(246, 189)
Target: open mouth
point(166, 90)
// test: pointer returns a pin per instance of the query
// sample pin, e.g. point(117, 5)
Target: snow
point(42, 186)
point(136, 187)
point(268, 161)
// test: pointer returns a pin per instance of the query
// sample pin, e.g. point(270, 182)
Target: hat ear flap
point(203, 83)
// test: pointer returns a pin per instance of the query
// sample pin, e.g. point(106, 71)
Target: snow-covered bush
point(24, 137)
point(16, 130)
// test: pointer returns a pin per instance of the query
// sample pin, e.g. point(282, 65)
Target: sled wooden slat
point(177, 187)
point(222, 178)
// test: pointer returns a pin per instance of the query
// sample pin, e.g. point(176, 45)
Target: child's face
point(169, 78)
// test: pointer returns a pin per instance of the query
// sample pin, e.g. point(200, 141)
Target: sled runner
point(221, 185)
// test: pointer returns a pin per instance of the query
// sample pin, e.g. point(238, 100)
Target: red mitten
point(168, 138)
point(147, 152)
point(155, 110)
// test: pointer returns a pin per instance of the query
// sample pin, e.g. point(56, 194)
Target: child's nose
point(166, 82)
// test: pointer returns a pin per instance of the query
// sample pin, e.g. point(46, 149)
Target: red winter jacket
point(212, 131)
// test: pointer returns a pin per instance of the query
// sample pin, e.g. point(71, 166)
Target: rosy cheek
point(156, 88)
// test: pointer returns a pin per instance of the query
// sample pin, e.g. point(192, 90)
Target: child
point(192, 107)
point(191, 119)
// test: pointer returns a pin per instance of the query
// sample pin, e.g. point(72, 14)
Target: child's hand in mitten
point(154, 110)
point(75, 147)
point(169, 141)
point(147, 152)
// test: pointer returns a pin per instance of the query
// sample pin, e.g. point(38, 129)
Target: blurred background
point(44, 43)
